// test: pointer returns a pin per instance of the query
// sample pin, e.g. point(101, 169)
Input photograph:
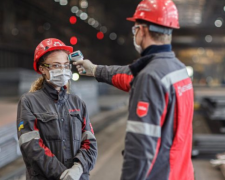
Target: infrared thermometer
point(77, 56)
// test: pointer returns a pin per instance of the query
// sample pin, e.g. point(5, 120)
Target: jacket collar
point(147, 56)
point(60, 96)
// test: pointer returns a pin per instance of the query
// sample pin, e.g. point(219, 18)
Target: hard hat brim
point(131, 19)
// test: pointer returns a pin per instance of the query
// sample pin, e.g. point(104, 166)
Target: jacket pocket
point(34, 175)
point(76, 123)
point(48, 125)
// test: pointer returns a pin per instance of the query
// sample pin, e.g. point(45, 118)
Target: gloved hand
point(89, 67)
point(74, 173)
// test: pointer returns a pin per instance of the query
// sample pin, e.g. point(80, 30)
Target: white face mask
point(137, 47)
point(60, 77)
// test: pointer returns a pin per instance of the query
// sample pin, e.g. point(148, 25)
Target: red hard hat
point(47, 45)
point(161, 12)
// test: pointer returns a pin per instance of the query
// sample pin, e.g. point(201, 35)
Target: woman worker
point(54, 131)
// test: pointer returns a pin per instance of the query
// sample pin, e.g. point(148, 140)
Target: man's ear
point(41, 69)
point(142, 31)
point(145, 31)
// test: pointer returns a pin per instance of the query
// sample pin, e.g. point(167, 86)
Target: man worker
point(158, 140)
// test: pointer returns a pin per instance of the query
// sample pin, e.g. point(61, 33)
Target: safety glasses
point(57, 66)
point(137, 26)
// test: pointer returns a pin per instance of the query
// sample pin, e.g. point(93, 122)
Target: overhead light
point(197, 21)
point(201, 50)
point(73, 40)
point(63, 2)
point(113, 36)
point(197, 18)
point(83, 16)
point(219, 22)
point(91, 21)
point(96, 24)
point(84, 4)
point(73, 20)
point(74, 9)
point(224, 8)
point(103, 29)
point(208, 38)
point(121, 40)
point(56, 0)
point(100, 35)
point(79, 13)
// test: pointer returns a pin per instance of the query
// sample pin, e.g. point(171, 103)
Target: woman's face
point(56, 57)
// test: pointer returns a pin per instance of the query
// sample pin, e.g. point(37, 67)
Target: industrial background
point(99, 29)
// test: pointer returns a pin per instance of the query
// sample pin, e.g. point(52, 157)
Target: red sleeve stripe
point(122, 81)
point(162, 120)
point(85, 144)
point(41, 144)
point(46, 149)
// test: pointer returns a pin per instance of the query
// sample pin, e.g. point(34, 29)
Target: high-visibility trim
point(174, 77)
point(143, 128)
point(87, 135)
point(26, 137)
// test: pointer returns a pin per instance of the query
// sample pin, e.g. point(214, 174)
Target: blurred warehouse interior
point(99, 29)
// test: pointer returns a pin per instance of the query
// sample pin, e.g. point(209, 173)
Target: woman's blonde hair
point(38, 84)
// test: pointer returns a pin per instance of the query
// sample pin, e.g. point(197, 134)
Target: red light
point(100, 35)
point(73, 40)
point(73, 19)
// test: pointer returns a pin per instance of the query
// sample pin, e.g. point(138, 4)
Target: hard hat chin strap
point(160, 29)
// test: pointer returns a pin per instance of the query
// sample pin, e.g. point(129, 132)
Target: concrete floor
point(204, 171)
point(109, 163)
point(111, 143)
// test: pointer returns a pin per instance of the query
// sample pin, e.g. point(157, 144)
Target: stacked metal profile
point(9, 149)
point(214, 108)
point(208, 145)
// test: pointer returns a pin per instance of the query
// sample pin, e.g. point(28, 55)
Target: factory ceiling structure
point(99, 28)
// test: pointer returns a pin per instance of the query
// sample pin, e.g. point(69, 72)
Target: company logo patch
point(20, 126)
point(183, 89)
point(142, 108)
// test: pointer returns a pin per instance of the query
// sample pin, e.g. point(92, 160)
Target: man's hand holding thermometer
point(84, 67)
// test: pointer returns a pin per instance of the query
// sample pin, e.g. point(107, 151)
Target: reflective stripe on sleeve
point(174, 77)
point(26, 137)
point(143, 128)
point(87, 135)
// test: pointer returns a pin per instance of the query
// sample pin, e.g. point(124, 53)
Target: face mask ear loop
point(50, 73)
point(137, 47)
